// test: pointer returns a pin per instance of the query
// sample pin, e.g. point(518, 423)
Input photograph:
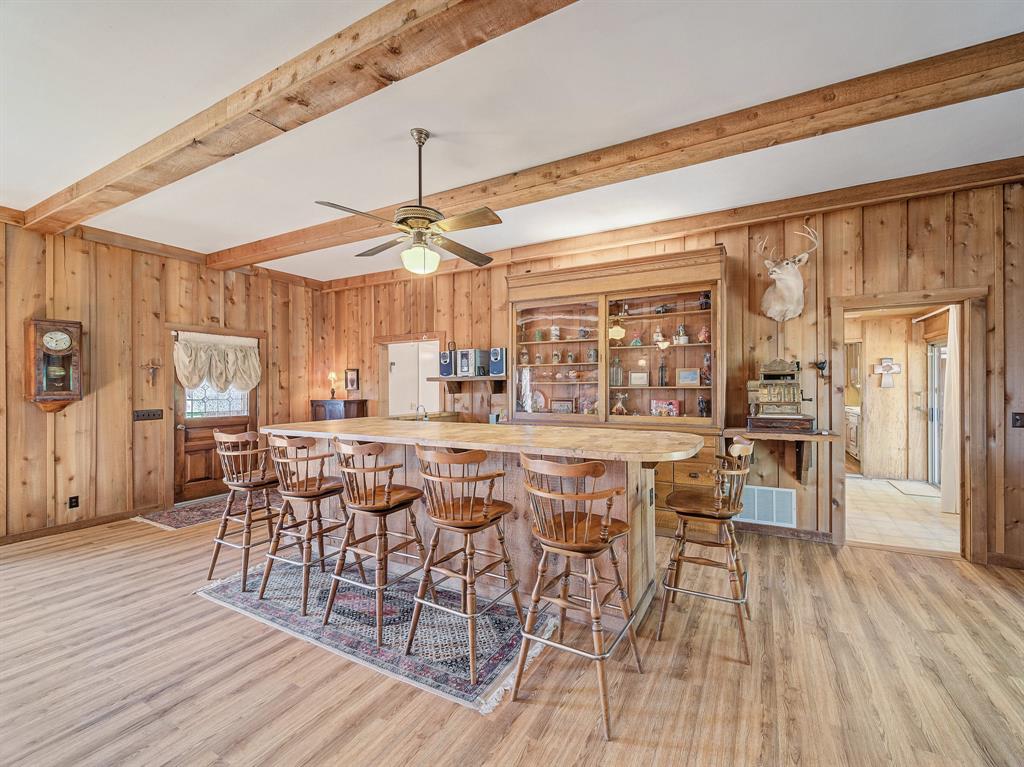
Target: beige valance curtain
point(225, 361)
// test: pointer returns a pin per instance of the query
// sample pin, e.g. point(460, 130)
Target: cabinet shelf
point(454, 383)
point(612, 317)
point(627, 347)
point(558, 365)
point(561, 341)
point(680, 388)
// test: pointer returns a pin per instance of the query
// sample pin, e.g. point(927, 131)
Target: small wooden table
point(630, 456)
point(798, 438)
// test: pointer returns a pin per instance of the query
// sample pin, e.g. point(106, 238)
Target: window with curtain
point(217, 373)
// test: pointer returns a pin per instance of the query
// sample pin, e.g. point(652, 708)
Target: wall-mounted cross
point(887, 369)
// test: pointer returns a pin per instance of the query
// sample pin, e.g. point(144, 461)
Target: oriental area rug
point(439, 662)
point(200, 511)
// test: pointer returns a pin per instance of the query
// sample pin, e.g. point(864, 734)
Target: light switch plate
point(1017, 421)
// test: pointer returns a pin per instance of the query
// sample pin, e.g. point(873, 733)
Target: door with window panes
point(197, 413)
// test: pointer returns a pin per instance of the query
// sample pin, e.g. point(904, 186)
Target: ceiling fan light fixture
point(419, 259)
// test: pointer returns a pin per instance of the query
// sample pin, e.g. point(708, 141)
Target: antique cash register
point(775, 399)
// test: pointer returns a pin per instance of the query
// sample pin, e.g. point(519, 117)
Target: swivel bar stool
point(244, 468)
point(302, 482)
point(716, 506)
point(370, 492)
point(565, 524)
point(460, 501)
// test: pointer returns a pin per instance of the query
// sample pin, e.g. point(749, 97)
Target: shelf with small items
point(657, 316)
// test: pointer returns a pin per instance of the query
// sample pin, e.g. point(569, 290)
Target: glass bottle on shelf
point(615, 373)
point(662, 372)
point(620, 403)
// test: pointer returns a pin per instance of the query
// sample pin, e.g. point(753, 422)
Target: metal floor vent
point(769, 506)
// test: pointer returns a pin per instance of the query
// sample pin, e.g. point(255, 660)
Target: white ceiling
point(590, 75)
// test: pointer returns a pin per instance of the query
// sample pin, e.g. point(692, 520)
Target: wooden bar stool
point(302, 480)
point(715, 506)
point(565, 524)
point(458, 503)
point(244, 468)
point(370, 491)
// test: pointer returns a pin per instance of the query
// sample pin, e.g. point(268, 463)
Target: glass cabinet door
point(661, 356)
point(555, 358)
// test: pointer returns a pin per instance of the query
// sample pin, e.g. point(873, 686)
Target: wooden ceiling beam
point(920, 185)
point(982, 70)
point(391, 44)
point(11, 216)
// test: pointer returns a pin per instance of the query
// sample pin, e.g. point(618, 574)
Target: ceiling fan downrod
point(420, 136)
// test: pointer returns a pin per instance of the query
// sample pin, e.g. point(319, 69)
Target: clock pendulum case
point(53, 360)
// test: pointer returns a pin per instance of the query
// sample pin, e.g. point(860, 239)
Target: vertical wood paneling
point(917, 403)
point(280, 358)
point(885, 242)
point(3, 380)
point(112, 380)
point(843, 242)
point(1013, 328)
point(300, 330)
point(736, 308)
point(75, 427)
point(148, 471)
point(884, 422)
point(27, 459)
point(929, 255)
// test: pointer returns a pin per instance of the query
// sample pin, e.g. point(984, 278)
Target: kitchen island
point(630, 456)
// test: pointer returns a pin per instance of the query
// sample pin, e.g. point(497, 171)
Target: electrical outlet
point(155, 414)
point(73, 502)
point(1017, 421)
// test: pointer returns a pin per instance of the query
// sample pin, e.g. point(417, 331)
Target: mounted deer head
point(784, 299)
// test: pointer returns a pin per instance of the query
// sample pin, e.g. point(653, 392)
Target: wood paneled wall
point(126, 301)
point(957, 239)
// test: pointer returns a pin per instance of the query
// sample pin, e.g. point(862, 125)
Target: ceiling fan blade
point(382, 247)
point(354, 212)
point(470, 220)
point(468, 254)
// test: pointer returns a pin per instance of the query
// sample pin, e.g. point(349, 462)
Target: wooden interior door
point(197, 471)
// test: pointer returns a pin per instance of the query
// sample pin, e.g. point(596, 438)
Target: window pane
point(204, 402)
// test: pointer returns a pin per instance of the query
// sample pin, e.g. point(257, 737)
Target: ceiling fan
point(424, 227)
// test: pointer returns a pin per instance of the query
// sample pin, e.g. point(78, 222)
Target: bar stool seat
point(382, 500)
point(697, 501)
point(584, 535)
point(470, 516)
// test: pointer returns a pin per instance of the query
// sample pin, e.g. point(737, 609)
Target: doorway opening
point(408, 364)
point(903, 437)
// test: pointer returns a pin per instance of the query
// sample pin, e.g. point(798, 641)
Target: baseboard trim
point(43, 532)
point(1005, 560)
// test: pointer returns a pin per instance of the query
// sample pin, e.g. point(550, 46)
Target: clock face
point(57, 341)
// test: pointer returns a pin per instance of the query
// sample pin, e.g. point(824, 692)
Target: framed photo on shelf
point(665, 407)
point(688, 377)
point(639, 378)
point(351, 379)
point(567, 406)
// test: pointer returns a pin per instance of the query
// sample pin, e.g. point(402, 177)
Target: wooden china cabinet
point(634, 344)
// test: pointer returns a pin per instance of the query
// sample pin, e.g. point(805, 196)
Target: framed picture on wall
point(351, 379)
point(687, 377)
point(563, 405)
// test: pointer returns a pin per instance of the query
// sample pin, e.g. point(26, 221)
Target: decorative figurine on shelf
point(658, 335)
point(662, 372)
point(556, 357)
point(588, 406)
point(704, 335)
point(583, 332)
point(705, 372)
point(570, 357)
point(705, 300)
point(703, 407)
point(556, 333)
point(592, 354)
point(538, 335)
point(663, 309)
point(615, 373)
point(538, 359)
point(638, 338)
point(619, 408)
point(333, 378)
point(572, 374)
point(524, 357)
point(680, 338)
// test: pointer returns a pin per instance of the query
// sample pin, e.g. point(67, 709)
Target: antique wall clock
point(53, 351)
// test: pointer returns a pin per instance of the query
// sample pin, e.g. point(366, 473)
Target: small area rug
point(439, 662)
point(197, 512)
point(913, 487)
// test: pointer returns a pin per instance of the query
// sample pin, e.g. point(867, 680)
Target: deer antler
point(761, 247)
point(811, 235)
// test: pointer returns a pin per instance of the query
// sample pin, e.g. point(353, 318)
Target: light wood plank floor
point(860, 657)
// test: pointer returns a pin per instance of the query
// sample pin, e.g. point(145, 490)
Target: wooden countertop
point(569, 441)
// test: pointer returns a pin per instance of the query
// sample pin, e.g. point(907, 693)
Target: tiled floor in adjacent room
point(876, 512)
